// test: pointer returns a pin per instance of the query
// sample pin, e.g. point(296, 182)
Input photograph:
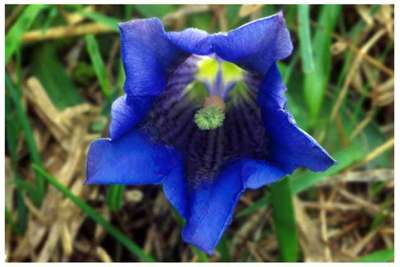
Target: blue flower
point(204, 167)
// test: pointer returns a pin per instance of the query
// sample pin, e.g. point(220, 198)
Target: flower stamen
point(212, 115)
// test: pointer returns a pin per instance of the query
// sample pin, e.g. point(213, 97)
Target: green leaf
point(123, 239)
point(98, 64)
point(30, 141)
point(303, 31)
point(284, 219)
point(158, 11)
point(385, 255)
point(115, 194)
point(55, 80)
point(23, 24)
point(316, 82)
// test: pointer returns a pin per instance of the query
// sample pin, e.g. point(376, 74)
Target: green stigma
point(209, 118)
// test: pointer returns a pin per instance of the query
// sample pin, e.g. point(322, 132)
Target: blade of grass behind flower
point(23, 24)
point(290, 15)
point(384, 255)
point(50, 18)
point(367, 87)
point(11, 222)
point(316, 82)
point(13, 130)
point(284, 219)
point(106, 20)
point(223, 248)
point(356, 29)
point(30, 141)
point(158, 11)
point(345, 158)
point(98, 64)
point(123, 239)
point(22, 210)
point(202, 257)
point(51, 72)
point(303, 31)
point(115, 194)
point(118, 88)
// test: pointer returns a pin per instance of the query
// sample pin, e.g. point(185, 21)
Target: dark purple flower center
point(171, 119)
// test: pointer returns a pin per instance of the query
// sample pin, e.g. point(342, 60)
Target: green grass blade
point(23, 24)
point(158, 11)
point(128, 12)
point(316, 82)
point(23, 118)
point(98, 64)
point(264, 201)
point(115, 194)
point(106, 20)
point(55, 80)
point(367, 87)
point(223, 248)
point(28, 133)
point(22, 210)
point(12, 132)
point(307, 59)
point(356, 29)
point(381, 216)
point(11, 222)
point(123, 239)
point(385, 255)
point(345, 158)
point(284, 219)
point(52, 15)
point(23, 185)
point(200, 254)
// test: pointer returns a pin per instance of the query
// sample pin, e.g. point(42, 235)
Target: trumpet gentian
point(205, 116)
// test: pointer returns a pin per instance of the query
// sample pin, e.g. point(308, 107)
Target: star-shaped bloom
point(205, 116)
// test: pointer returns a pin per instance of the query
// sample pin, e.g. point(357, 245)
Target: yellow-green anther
point(209, 118)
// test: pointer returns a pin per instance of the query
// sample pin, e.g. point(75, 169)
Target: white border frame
point(114, 2)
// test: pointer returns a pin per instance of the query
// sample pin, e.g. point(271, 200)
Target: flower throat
point(213, 81)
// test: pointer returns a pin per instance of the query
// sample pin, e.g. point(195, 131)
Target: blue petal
point(148, 58)
point(176, 191)
point(288, 146)
point(130, 159)
point(257, 173)
point(256, 45)
point(192, 40)
point(211, 209)
point(126, 112)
